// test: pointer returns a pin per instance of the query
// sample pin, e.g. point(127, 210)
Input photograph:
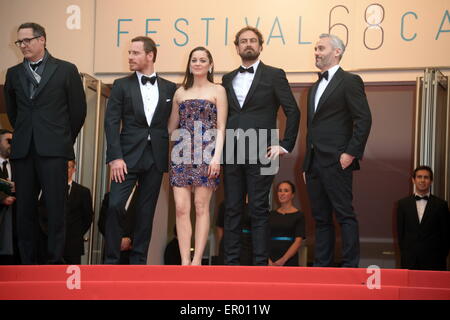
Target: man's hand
point(9, 201)
point(118, 170)
point(346, 160)
point(125, 244)
point(13, 187)
point(274, 151)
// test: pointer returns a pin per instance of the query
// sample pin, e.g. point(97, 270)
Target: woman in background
point(287, 228)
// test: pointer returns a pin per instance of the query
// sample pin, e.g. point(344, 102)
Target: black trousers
point(417, 259)
point(330, 188)
point(149, 179)
point(241, 179)
point(31, 174)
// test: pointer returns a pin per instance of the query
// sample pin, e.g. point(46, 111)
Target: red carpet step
point(107, 282)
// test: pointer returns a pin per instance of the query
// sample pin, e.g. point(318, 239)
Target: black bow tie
point(249, 70)
point(34, 66)
point(323, 75)
point(145, 79)
point(418, 198)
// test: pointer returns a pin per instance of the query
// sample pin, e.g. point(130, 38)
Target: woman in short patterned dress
point(199, 112)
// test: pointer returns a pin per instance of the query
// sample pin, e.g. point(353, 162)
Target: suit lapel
point(23, 80)
point(233, 94)
point(334, 83)
point(136, 96)
point(428, 210)
point(412, 208)
point(27, 79)
point(255, 83)
point(311, 96)
point(72, 194)
point(49, 70)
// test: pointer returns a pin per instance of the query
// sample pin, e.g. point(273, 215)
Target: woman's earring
point(210, 69)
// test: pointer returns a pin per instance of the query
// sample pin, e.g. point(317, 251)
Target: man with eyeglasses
point(46, 106)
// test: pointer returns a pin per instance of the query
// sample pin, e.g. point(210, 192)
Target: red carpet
point(217, 283)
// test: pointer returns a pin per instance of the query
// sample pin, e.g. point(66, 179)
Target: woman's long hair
point(188, 76)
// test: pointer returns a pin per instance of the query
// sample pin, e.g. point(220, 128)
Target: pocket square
point(167, 100)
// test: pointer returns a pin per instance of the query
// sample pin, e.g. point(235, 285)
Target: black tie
point(145, 79)
point(5, 170)
point(34, 66)
point(323, 75)
point(418, 198)
point(249, 70)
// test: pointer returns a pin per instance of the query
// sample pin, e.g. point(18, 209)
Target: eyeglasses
point(25, 41)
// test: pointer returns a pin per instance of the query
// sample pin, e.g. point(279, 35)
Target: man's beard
point(319, 63)
point(5, 154)
point(249, 55)
point(323, 62)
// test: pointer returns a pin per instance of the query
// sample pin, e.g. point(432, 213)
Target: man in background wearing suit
point(126, 222)
point(79, 217)
point(423, 225)
point(339, 122)
point(137, 147)
point(46, 106)
point(255, 92)
point(9, 250)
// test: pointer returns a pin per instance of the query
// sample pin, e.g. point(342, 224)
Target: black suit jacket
point(268, 91)
point(79, 217)
point(125, 106)
point(3, 195)
point(423, 245)
point(6, 223)
point(341, 123)
point(54, 115)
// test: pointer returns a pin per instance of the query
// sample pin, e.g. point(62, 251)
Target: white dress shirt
point(8, 166)
point(242, 83)
point(150, 97)
point(129, 198)
point(323, 85)
point(421, 205)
